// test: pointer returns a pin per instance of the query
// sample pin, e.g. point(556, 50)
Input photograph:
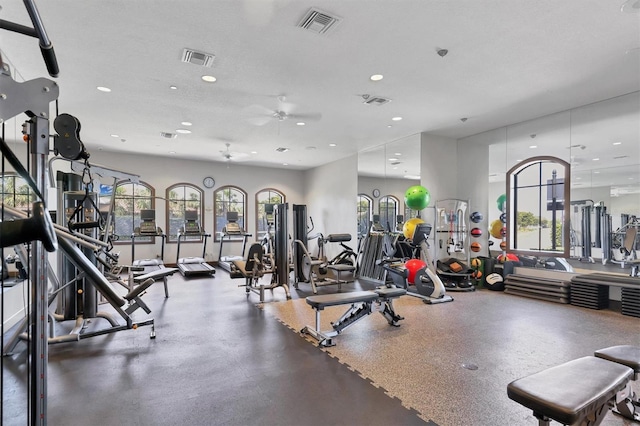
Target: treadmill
point(232, 232)
point(192, 266)
point(147, 228)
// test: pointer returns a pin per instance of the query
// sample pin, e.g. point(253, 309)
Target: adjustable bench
point(362, 303)
point(578, 392)
point(629, 356)
point(144, 282)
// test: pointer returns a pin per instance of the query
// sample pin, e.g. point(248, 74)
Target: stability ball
point(496, 229)
point(413, 266)
point(501, 202)
point(409, 227)
point(476, 232)
point(508, 257)
point(476, 263)
point(475, 247)
point(417, 197)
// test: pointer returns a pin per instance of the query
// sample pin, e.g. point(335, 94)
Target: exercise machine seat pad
point(158, 273)
point(390, 292)
point(342, 267)
point(324, 300)
point(570, 391)
point(338, 238)
point(624, 354)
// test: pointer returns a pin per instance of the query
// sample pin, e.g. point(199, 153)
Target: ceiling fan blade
point(260, 121)
point(307, 117)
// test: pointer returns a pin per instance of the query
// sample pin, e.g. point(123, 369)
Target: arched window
point(228, 199)
point(16, 192)
point(129, 199)
point(266, 196)
point(388, 210)
point(180, 198)
point(364, 213)
point(537, 207)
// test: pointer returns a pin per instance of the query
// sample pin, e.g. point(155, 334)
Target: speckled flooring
point(505, 336)
point(221, 358)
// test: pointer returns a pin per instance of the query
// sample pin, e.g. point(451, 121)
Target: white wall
point(162, 172)
point(330, 195)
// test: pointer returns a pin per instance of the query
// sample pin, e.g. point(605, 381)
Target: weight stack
point(631, 301)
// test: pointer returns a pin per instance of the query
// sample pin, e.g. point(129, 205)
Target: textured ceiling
point(508, 61)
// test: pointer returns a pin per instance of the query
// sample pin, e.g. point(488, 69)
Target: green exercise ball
point(417, 197)
point(501, 202)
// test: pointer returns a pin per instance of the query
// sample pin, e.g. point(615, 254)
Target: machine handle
point(48, 54)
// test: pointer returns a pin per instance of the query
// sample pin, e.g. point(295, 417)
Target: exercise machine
point(253, 270)
point(427, 284)
point(193, 266)
point(363, 303)
point(232, 231)
point(148, 229)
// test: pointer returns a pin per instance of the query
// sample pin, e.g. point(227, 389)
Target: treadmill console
point(232, 227)
point(191, 225)
point(148, 224)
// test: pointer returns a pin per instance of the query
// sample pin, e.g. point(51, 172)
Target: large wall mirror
point(601, 144)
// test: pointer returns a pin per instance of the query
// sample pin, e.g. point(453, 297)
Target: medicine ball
point(475, 247)
point(494, 282)
point(503, 218)
point(409, 227)
point(476, 263)
point(503, 245)
point(476, 217)
point(417, 197)
point(501, 202)
point(476, 275)
point(476, 232)
point(495, 229)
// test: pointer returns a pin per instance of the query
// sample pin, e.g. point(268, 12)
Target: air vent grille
point(318, 21)
point(395, 163)
point(282, 149)
point(168, 135)
point(376, 100)
point(197, 58)
point(620, 157)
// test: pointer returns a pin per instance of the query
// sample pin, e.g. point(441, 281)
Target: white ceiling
point(508, 61)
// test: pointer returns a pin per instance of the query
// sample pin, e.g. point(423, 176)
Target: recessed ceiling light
point(517, 161)
point(285, 164)
point(617, 143)
point(114, 136)
point(397, 154)
point(173, 87)
point(596, 172)
point(630, 178)
point(209, 78)
point(595, 159)
point(630, 6)
point(332, 144)
point(376, 77)
point(254, 152)
point(103, 89)
point(183, 131)
point(300, 123)
point(396, 118)
point(393, 159)
point(172, 152)
point(389, 126)
point(395, 168)
point(187, 123)
point(533, 146)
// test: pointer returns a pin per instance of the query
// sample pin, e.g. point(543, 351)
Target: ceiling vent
point(395, 163)
point(168, 135)
point(282, 149)
point(198, 58)
point(376, 100)
point(317, 21)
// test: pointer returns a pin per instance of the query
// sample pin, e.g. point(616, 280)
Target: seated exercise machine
point(253, 269)
point(363, 303)
point(193, 266)
point(427, 284)
point(232, 232)
point(318, 270)
point(321, 272)
point(581, 391)
point(148, 229)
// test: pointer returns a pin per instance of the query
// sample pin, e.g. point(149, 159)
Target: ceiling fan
point(260, 115)
point(229, 155)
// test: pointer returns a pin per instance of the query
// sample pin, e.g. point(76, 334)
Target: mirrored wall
point(601, 142)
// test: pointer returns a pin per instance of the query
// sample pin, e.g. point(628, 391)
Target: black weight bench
point(362, 303)
point(630, 356)
point(144, 282)
point(578, 392)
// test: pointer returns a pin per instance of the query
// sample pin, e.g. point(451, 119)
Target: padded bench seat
point(624, 354)
point(573, 391)
point(325, 300)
